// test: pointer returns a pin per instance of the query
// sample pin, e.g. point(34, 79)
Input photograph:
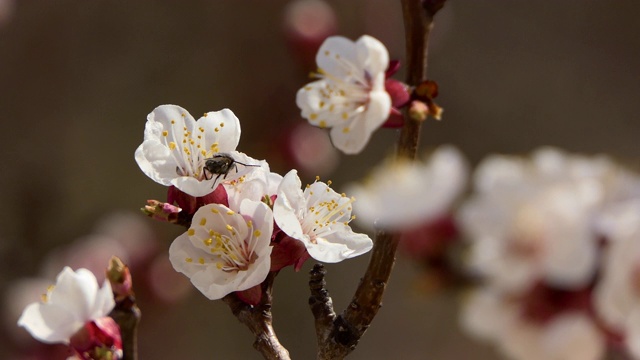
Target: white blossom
point(534, 219)
point(402, 194)
point(492, 316)
point(74, 301)
point(225, 251)
point(176, 147)
point(617, 294)
point(319, 217)
point(350, 95)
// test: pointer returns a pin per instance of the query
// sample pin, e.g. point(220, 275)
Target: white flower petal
point(340, 245)
point(154, 159)
point(221, 128)
point(372, 54)
point(332, 52)
point(351, 137)
point(288, 205)
point(50, 323)
point(572, 336)
point(632, 341)
point(75, 291)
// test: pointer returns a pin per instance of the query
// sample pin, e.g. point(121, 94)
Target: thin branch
point(259, 321)
point(127, 315)
point(126, 312)
point(347, 328)
point(321, 303)
point(418, 22)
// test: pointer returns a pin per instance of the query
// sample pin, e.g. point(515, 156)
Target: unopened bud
point(161, 211)
point(120, 278)
point(418, 110)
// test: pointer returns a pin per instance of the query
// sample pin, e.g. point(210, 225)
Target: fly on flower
point(177, 147)
point(221, 164)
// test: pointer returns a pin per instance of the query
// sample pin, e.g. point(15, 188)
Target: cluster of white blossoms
point(229, 243)
point(536, 232)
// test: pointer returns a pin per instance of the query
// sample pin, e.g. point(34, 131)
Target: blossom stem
point(418, 22)
point(126, 312)
point(338, 338)
point(259, 321)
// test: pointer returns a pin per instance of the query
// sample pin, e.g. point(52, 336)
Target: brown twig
point(418, 22)
point(259, 321)
point(126, 312)
point(127, 315)
point(339, 336)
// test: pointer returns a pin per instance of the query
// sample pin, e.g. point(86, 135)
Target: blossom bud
point(161, 211)
point(120, 278)
point(418, 110)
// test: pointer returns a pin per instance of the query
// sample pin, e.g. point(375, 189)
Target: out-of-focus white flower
point(350, 96)
point(225, 251)
point(617, 294)
point(319, 217)
point(533, 220)
point(176, 147)
point(496, 318)
point(18, 295)
point(74, 301)
point(400, 195)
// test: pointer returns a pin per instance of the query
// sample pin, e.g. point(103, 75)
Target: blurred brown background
point(79, 77)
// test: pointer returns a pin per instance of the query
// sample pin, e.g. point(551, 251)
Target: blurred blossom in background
point(555, 284)
point(549, 239)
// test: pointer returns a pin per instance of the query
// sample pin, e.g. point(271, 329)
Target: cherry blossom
point(225, 251)
point(176, 147)
point(532, 219)
point(402, 194)
point(319, 217)
point(74, 301)
point(350, 95)
point(491, 316)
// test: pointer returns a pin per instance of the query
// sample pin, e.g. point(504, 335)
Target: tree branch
point(339, 337)
point(259, 321)
point(418, 22)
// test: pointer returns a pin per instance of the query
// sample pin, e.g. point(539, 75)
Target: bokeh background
point(79, 77)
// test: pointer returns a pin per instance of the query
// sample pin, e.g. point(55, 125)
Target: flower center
point(347, 95)
point(231, 250)
point(322, 216)
point(188, 148)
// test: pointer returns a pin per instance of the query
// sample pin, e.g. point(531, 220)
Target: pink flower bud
point(161, 211)
point(120, 278)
